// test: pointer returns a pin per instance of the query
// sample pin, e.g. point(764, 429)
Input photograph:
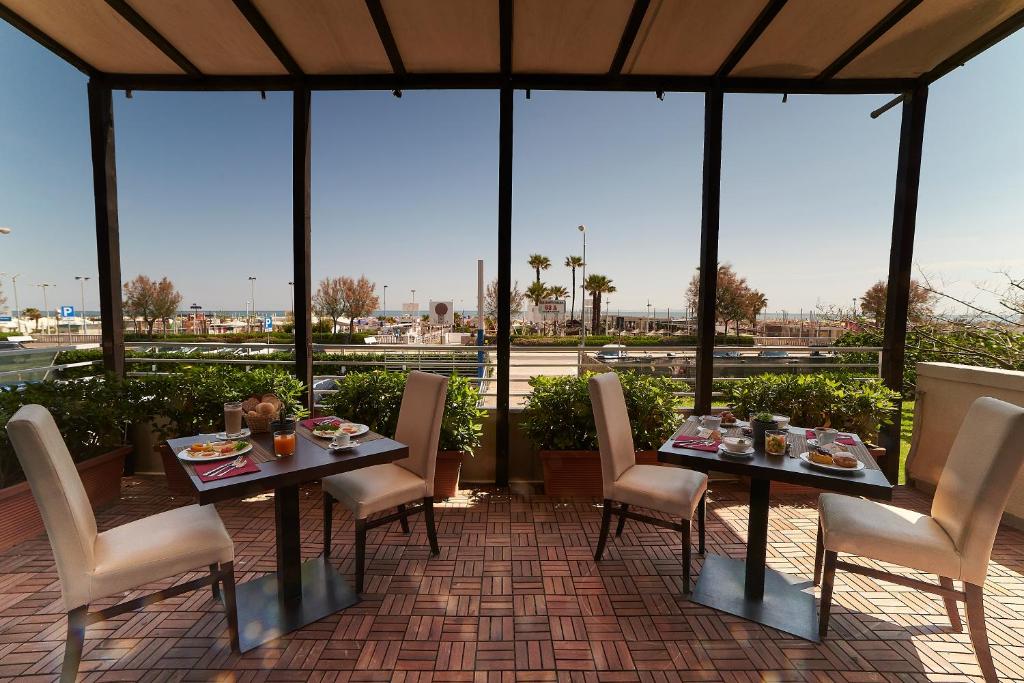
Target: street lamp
point(46, 306)
point(81, 282)
point(5, 231)
point(385, 303)
point(292, 286)
point(583, 288)
point(14, 287)
point(252, 296)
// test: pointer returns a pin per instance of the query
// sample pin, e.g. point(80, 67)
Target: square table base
point(785, 606)
point(262, 617)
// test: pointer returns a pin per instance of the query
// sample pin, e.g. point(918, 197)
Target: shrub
point(559, 416)
point(601, 340)
point(850, 404)
point(374, 399)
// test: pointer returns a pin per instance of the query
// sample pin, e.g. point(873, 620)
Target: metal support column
point(504, 282)
point(108, 241)
point(901, 255)
point(301, 243)
point(710, 200)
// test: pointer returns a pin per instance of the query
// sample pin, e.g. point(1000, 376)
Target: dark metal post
point(301, 242)
point(504, 282)
point(108, 241)
point(713, 103)
point(901, 254)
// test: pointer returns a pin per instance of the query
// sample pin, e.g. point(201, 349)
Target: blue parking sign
point(268, 324)
point(67, 311)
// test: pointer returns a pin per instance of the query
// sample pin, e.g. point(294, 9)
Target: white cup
point(711, 422)
point(734, 444)
point(341, 440)
point(825, 436)
point(782, 420)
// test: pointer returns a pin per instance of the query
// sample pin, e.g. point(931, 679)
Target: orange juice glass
point(284, 444)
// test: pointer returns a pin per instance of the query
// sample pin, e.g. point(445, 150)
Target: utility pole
point(384, 305)
point(252, 296)
point(81, 282)
point(46, 305)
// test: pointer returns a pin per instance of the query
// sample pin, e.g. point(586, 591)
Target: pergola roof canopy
point(812, 41)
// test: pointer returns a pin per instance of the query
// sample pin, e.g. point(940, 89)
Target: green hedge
point(238, 337)
point(601, 340)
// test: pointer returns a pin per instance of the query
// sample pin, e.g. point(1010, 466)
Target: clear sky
point(405, 190)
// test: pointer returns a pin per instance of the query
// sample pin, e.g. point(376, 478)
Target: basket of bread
point(261, 411)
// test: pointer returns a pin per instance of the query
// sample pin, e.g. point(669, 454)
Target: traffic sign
point(268, 324)
point(5, 318)
point(67, 311)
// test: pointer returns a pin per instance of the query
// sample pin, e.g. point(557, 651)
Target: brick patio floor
point(514, 596)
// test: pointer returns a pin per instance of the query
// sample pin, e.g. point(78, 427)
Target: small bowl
point(782, 420)
point(737, 444)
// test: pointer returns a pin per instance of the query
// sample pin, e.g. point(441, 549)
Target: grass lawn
point(906, 427)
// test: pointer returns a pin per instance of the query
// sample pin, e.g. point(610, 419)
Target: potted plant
point(759, 424)
point(374, 399)
point(559, 421)
point(93, 417)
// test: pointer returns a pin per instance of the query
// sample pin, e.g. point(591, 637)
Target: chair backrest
point(419, 423)
point(59, 494)
point(614, 433)
point(975, 484)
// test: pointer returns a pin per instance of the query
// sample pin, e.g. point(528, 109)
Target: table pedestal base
point(262, 617)
point(785, 605)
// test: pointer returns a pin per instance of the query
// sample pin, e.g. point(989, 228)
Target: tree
point(572, 263)
point(358, 299)
point(516, 297)
point(32, 314)
point(328, 301)
point(733, 297)
point(756, 302)
point(151, 300)
point(557, 292)
point(598, 286)
point(539, 263)
point(922, 301)
point(536, 292)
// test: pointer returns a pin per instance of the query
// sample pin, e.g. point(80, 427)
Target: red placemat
point(845, 440)
point(314, 421)
point(685, 441)
point(248, 468)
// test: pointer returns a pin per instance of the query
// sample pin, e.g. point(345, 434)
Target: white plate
point(806, 457)
point(188, 457)
point(732, 454)
point(341, 449)
point(244, 434)
point(814, 442)
point(360, 430)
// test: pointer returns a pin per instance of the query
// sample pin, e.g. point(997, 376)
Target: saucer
point(722, 450)
point(244, 434)
point(341, 449)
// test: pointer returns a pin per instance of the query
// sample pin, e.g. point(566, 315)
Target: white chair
point(671, 490)
point(370, 490)
point(954, 541)
point(93, 565)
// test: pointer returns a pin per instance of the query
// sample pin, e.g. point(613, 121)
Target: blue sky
point(405, 190)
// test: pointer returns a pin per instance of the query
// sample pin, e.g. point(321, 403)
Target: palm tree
point(557, 292)
point(539, 263)
point(574, 262)
point(536, 292)
point(598, 286)
point(32, 314)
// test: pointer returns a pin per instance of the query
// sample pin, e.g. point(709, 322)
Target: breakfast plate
point(214, 450)
point(806, 457)
point(328, 429)
point(722, 450)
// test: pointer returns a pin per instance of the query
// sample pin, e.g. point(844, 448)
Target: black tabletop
point(868, 482)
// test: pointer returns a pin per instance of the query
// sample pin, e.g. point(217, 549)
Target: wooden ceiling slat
point(387, 39)
point(765, 18)
point(26, 27)
point(142, 26)
point(869, 38)
point(636, 18)
point(260, 25)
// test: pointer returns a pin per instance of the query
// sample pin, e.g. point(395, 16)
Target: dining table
point(298, 593)
point(749, 588)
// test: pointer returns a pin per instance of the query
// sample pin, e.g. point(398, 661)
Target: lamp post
point(291, 285)
point(252, 296)
point(583, 289)
point(46, 306)
point(5, 231)
point(384, 305)
point(14, 288)
point(81, 282)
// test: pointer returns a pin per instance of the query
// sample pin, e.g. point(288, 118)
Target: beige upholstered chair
point(93, 565)
point(671, 490)
point(374, 489)
point(954, 541)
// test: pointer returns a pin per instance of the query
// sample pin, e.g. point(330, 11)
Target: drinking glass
point(284, 443)
point(233, 418)
point(775, 441)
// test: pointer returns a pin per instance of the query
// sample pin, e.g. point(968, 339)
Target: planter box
point(578, 473)
point(446, 474)
point(19, 516)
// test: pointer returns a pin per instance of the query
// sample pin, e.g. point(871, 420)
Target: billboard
point(411, 308)
point(548, 312)
point(442, 312)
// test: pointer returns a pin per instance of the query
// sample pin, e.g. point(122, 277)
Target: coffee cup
point(711, 422)
point(341, 440)
point(736, 444)
point(825, 436)
point(782, 421)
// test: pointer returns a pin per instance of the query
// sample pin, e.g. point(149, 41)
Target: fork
point(224, 469)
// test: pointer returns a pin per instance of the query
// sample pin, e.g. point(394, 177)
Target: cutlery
point(234, 464)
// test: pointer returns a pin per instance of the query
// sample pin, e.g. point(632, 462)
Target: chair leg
point(819, 555)
point(606, 521)
point(826, 591)
point(227, 577)
point(702, 511)
point(215, 586)
point(952, 609)
point(428, 514)
point(622, 519)
point(77, 619)
point(404, 521)
point(360, 553)
point(686, 556)
point(328, 518)
point(979, 635)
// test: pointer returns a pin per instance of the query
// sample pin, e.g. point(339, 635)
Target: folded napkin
point(314, 421)
point(686, 441)
point(248, 468)
point(841, 438)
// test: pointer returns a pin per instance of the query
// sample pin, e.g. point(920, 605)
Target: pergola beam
point(506, 20)
point(869, 38)
point(387, 38)
point(901, 255)
point(976, 47)
point(129, 14)
point(46, 41)
point(302, 242)
point(765, 18)
point(270, 38)
point(629, 33)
